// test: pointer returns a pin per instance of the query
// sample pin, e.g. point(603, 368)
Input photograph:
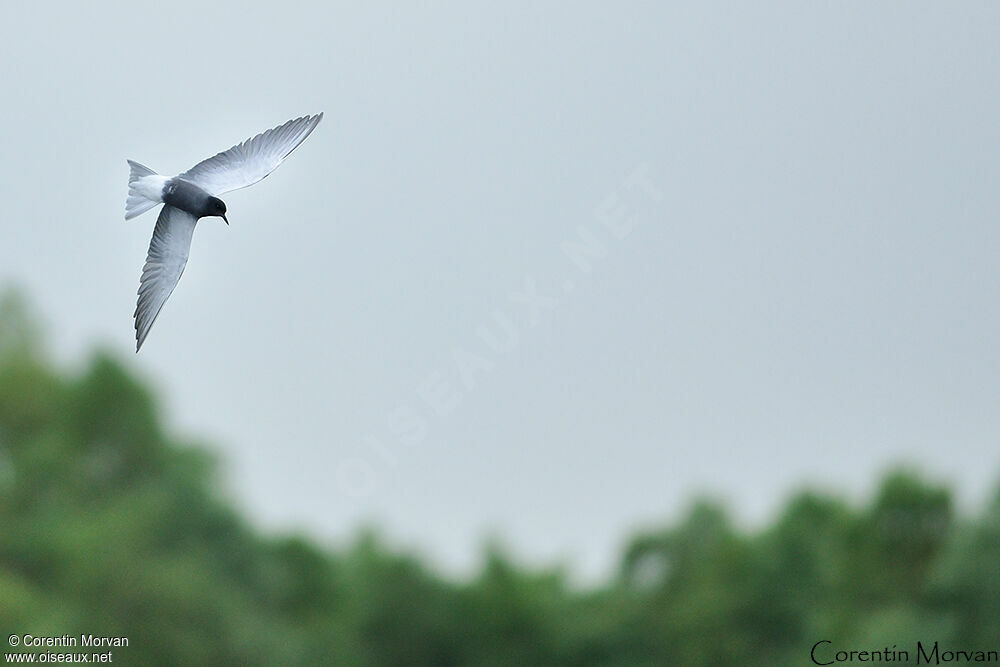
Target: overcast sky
point(545, 270)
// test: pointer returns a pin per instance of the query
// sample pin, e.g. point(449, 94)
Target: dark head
point(216, 207)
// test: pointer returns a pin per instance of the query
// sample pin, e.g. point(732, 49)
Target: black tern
point(193, 195)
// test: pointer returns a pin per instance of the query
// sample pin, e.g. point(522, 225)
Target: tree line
point(110, 526)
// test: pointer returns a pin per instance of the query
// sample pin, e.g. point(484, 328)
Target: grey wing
point(165, 262)
point(246, 163)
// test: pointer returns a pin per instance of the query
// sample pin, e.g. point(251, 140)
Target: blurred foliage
point(108, 526)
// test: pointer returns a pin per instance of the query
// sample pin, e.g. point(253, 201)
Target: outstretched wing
point(246, 163)
point(165, 262)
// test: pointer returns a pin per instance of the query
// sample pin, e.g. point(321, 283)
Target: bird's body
point(187, 197)
point(191, 196)
point(178, 193)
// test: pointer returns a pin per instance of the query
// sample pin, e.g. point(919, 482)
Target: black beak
point(224, 218)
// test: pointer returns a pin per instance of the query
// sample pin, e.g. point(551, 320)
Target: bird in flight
point(191, 196)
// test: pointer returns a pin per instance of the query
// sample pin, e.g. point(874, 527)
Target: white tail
point(143, 192)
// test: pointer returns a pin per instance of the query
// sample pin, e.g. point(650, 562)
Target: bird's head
point(217, 207)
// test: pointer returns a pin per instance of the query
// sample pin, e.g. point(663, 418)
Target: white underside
point(150, 187)
point(144, 193)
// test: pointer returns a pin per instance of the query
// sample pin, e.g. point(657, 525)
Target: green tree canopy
point(109, 525)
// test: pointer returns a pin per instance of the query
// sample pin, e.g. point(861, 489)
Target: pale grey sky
point(808, 292)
